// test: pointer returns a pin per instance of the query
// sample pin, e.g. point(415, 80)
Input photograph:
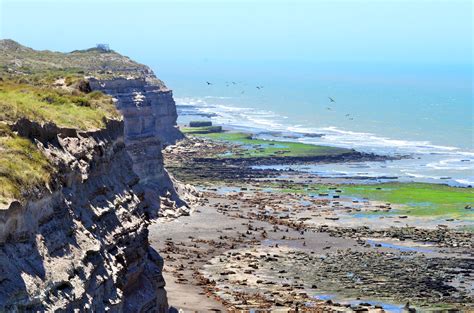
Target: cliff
point(147, 106)
point(84, 243)
point(149, 114)
point(80, 180)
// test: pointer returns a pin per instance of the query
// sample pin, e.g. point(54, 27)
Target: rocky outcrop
point(149, 113)
point(82, 244)
point(147, 106)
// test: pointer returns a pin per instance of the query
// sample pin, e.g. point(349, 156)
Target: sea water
point(421, 111)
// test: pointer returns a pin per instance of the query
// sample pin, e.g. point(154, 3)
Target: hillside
point(46, 66)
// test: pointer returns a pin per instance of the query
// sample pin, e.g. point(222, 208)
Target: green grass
point(22, 166)
point(416, 199)
point(81, 111)
point(252, 148)
point(419, 199)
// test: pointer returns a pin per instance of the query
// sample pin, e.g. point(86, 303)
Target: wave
point(459, 164)
point(430, 162)
point(264, 120)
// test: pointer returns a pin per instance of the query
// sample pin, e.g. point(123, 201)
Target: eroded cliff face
point(149, 113)
point(81, 241)
point(147, 106)
point(83, 244)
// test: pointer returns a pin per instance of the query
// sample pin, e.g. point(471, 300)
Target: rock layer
point(147, 106)
point(150, 115)
point(84, 243)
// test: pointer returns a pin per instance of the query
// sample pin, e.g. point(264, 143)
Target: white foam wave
point(450, 164)
point(465, 182)
point(270, 121)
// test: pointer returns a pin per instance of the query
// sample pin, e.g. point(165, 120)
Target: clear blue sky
point(410, 31)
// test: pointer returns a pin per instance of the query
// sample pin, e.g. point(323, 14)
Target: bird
point(259, 87)
point(331, 99)
point(347, 114)
point(208, 83)
point(233, 83)
point(328, 108)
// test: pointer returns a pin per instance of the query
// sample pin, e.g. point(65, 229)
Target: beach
point(258, 238)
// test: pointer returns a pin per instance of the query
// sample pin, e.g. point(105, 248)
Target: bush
point(95, 95)
point(81, 101)
point(53, 98)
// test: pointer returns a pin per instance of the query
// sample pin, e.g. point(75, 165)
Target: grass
point(65, 109)
point(416, 199)
point(16, 59)
point(22, 166)
point(252, 148)
point(420, 199)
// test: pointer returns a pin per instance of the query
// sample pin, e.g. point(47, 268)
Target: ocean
point(421, 111)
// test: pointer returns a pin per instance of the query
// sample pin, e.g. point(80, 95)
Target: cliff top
point(50, 87)
point(16, 59)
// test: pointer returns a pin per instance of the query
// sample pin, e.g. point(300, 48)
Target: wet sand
point(246, 248)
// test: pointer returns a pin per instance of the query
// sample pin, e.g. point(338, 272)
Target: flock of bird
point(234, 83)
point(331, 99)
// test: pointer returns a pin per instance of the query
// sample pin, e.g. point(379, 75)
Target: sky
point(389, 32)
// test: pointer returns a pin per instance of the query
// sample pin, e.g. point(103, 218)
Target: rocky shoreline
point(195, 159)
point(282, 251)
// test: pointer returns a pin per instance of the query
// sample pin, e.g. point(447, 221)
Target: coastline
point(427, 162)
point(264, 221)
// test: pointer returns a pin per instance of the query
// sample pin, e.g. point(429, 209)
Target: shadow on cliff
point(18, 260)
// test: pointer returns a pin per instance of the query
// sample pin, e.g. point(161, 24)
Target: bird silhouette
point(331, 99)
point(208, 83)
point(259, 87)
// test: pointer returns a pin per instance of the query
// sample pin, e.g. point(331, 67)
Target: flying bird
point(331, 99)
point(208, 83)
point(259, 87)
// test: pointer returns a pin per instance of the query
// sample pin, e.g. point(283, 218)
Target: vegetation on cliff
point(61, 107)
point(48, 87)
point(40, 67)
point(22, 166)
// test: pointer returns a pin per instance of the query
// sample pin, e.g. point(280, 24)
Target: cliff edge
point(81, 174)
